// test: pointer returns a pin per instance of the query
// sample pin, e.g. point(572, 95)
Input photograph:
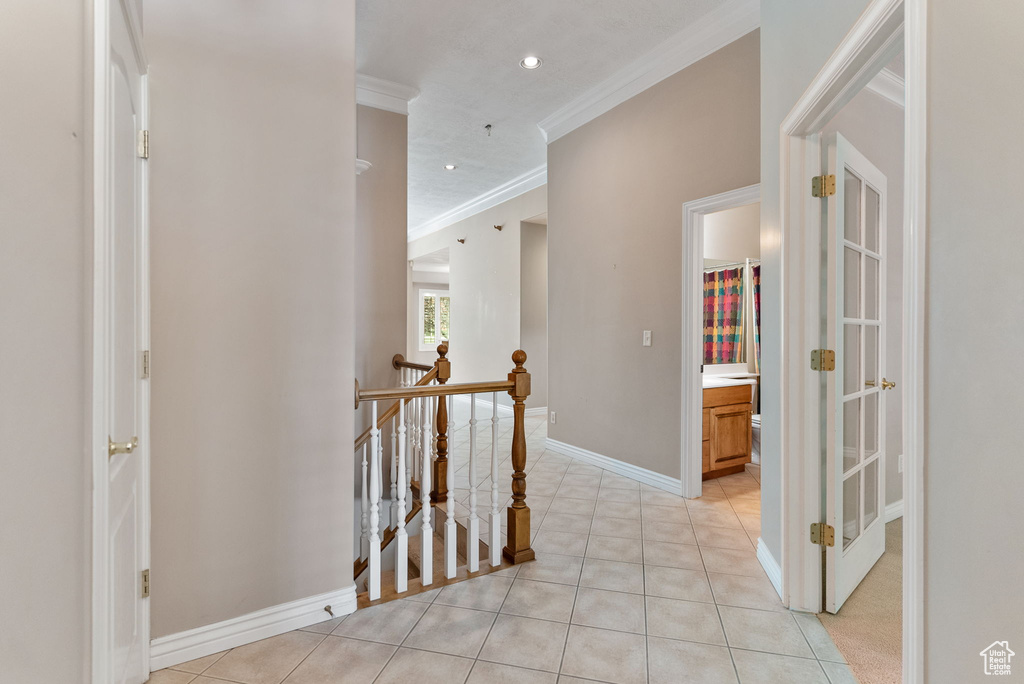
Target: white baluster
point(393, 517)
point(375, 490)
point(401, 537)
point(495, 518)
point(451, 537)
point(426, 530)
point(364, 520)
point(473, 541)
point(411, 447)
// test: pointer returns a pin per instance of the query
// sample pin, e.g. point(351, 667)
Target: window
point(435, 316)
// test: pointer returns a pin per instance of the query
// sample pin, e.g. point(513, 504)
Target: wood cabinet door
point(730, 435)
point(706, 460)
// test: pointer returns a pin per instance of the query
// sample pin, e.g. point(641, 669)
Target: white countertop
point(716, 381)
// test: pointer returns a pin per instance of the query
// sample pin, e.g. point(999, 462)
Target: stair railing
point(439, 399)
point(411, 433)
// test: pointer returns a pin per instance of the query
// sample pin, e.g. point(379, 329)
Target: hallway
point(631, 585)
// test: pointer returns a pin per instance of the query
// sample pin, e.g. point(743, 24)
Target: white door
point(855, 472)
point(127, 401)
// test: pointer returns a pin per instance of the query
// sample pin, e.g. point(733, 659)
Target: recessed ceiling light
point(530, 62)
point(450, 167)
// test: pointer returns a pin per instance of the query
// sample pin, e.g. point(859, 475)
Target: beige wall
point(253, 212)
point(797, 38)
point(874, 126)
point(45, 295)
point(533, 315)
point(973, 317)
point(381, 224)
point(617, 187)
point(485, 288)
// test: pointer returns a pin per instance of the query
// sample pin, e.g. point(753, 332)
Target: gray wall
point(534, 308)
point(974, 321)
point(617, 186)
point(484, 283)
point(797, 38)
point(253, 212)
point(874, 126)
point(381, 222)
point(45, 355)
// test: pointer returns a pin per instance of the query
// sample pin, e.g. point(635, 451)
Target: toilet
point(755, 448)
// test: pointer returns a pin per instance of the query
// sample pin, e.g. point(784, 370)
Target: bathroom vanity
point(726, 425)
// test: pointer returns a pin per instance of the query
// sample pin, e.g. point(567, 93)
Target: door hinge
point(823, 534)
point(823, 186)
point(145, 583)
point(144, 144)
point(823, 360)
point(145, 364)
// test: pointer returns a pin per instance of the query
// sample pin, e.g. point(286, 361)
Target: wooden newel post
point(518, 549)
point(439, 491)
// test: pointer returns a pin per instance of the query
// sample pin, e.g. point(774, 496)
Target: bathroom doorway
point(720, 422)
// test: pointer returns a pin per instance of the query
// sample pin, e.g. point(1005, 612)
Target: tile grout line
point(576, 594)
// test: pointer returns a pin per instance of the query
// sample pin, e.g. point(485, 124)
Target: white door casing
point(121, 334)
point(854, 431)
point(692, 345)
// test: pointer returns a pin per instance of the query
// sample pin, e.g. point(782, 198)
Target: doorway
point(808, 440)
point(120, 430)
point(729, 358)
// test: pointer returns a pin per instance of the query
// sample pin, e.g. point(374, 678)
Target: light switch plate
point(554, 417)
point(647, 338)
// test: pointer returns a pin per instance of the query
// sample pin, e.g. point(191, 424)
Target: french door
point(854, 487)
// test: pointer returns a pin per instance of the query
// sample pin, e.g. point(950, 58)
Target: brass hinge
point(823, 186)
point(145, 364)
point(145, 583)
point(823, 534)
point(144, 144)
point(823, 360)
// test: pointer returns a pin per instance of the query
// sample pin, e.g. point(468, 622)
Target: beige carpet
point(868, 630)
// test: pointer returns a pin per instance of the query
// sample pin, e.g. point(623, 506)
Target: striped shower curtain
point(755, 282)
point(723, 316)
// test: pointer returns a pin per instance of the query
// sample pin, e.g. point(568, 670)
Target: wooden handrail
point(409, 393)
point(399, 362)
point(392, 410)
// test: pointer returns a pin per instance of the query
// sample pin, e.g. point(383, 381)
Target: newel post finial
point(518, 548)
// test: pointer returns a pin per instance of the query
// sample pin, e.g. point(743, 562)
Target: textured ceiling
point(463, 56)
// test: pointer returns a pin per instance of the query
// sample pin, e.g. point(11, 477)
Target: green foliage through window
point(436, 312)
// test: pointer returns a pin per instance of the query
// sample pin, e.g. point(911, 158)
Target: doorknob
point(122, 447)
point(886, 385)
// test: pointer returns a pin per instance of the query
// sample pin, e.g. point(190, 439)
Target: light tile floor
point(631, 585)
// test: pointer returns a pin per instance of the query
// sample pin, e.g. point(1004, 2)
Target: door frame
point(693, 308)
point(98, 83)
point(882, 29)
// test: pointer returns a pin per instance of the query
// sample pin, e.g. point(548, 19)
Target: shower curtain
point(755, 278)
point(723, 316)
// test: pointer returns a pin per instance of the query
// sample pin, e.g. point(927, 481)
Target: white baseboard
point(894, 511)
point(182, 647)
point(649, 477)
point(770, 565)
point(484, 408)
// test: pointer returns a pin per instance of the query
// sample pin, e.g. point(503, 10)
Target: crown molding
point(386, 95)
point(890, 86)
point(515, 187)
point(731, 21)
point(362, 165)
